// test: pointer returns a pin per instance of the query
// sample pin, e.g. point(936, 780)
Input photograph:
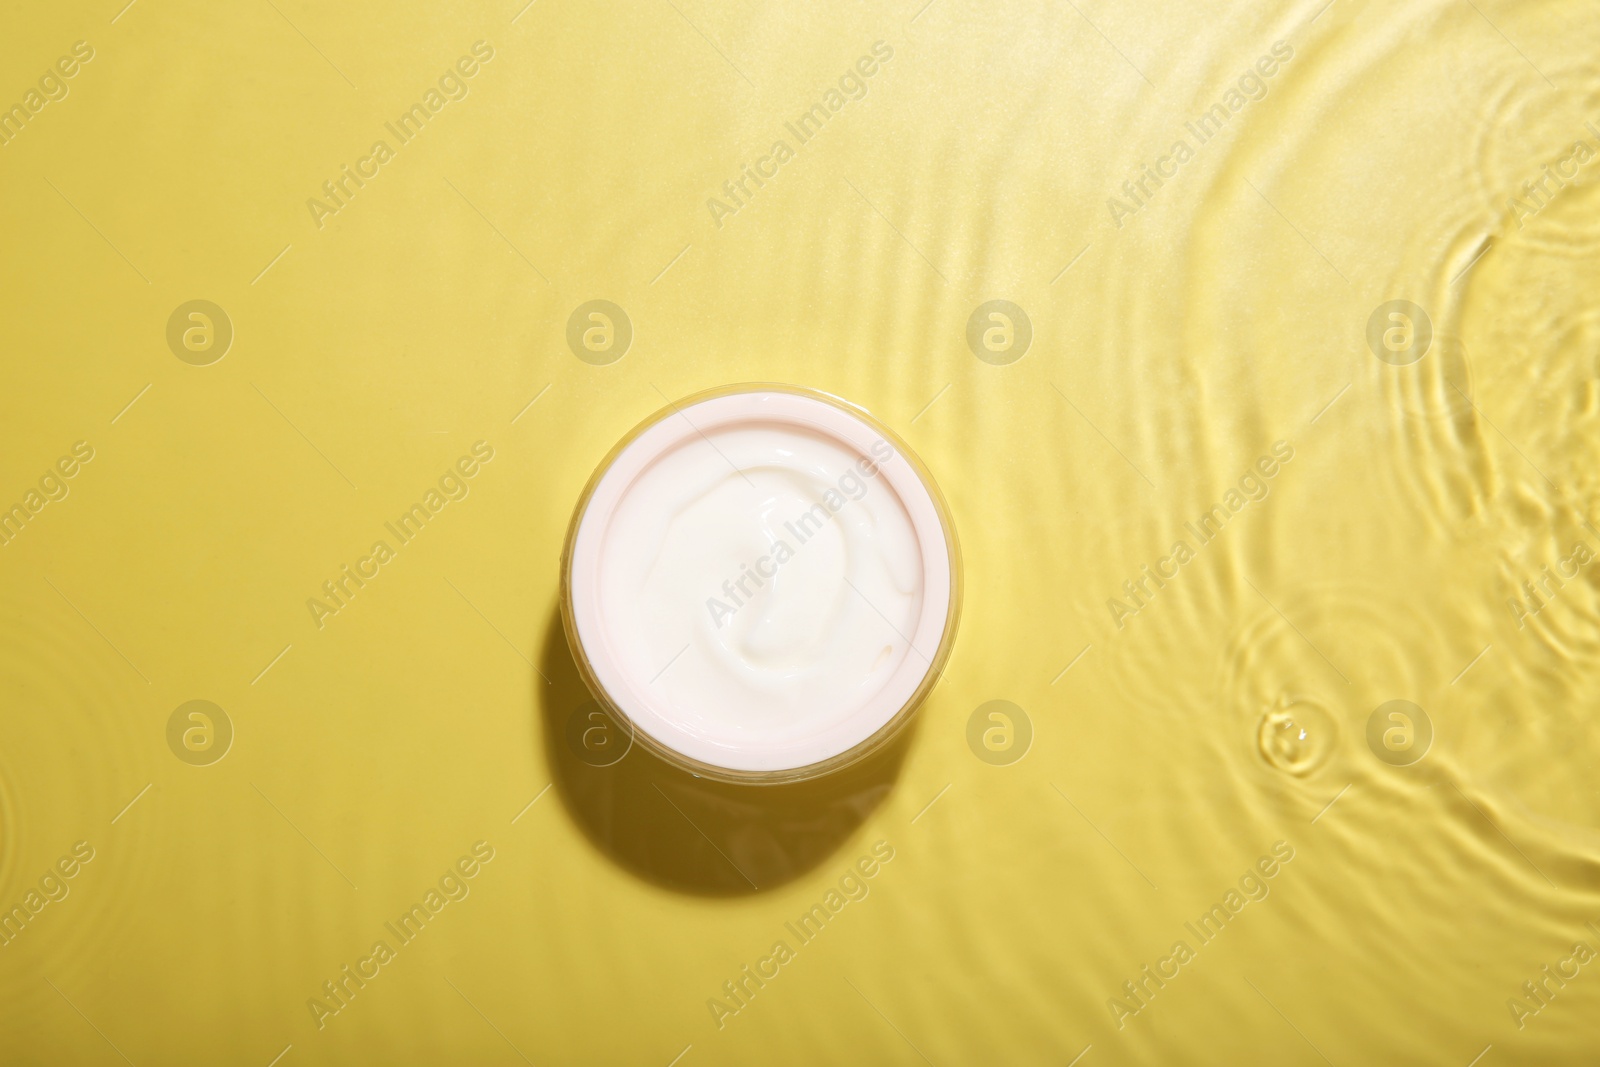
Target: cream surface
point(760, 583)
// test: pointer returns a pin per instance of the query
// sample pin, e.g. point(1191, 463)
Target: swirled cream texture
point(760, 582)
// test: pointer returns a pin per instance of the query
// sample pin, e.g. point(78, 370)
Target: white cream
point(760, 580)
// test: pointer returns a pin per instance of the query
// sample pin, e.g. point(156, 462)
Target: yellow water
point(1176, 338)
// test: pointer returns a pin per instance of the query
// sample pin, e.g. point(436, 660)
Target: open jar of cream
point(762, 581)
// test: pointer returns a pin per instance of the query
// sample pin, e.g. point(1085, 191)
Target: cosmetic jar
point(761, 583)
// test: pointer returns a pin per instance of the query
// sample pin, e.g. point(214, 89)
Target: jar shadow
point(683, 832)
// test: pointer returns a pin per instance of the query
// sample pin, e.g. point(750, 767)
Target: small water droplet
point(1296, 735)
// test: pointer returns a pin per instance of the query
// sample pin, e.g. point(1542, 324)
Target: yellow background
point(1168, 352)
